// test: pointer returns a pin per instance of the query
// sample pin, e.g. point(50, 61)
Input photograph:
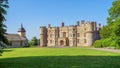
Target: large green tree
point(3, 12)
point(110, 34)
point(114, 21)
point(114, 12)
point(115, 35)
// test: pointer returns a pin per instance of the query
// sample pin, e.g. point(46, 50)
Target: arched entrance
point(61, 42)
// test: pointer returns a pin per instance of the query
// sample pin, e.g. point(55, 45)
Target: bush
point(31, 43)
point(106, 42)
point(113, 43)
point(98, 44)
point(117, 47)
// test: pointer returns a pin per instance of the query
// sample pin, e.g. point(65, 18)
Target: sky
point(35, 13)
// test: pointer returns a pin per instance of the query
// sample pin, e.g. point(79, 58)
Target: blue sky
point(35, 13)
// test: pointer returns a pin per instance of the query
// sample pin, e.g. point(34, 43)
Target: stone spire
point(21, 29)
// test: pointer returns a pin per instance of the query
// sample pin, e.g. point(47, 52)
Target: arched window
point(64, 34)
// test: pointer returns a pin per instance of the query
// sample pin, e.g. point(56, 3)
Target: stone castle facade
point(83, 34)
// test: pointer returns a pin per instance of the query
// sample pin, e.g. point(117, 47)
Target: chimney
point(82, 21)
point(62, 24)
point(49, 25)
point(99, 26)
point(95, 26)
point(78, 23)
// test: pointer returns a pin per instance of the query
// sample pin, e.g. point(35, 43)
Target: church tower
point(21, 31)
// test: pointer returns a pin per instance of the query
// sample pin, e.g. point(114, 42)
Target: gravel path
point(106, 49)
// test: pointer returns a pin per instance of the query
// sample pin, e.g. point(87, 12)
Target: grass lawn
point(58, 58)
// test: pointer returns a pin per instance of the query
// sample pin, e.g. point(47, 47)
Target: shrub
point(98, 44)
point(31, 44)
point(117, 46)
point(106, 42)
point(113, 43)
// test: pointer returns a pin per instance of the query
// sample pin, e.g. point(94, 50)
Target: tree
point(116, 32)
point(114, 22)
point(35, 41)
point(38, 41)
point(105, 32)
point(110, 34)
point(114, 12)
point(3, 5)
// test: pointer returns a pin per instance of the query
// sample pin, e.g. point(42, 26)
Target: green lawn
point(58, 58)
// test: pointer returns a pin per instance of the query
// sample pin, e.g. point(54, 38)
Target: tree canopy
point(3, 12)
point(3, 5)
point(110, 34)
point(114, 11)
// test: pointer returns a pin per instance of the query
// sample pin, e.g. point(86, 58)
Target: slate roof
point(15, 37)
point(21, 29)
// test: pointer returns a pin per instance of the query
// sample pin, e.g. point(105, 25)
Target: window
point(50, 41)
point(78, 34)
point(10, 43)
point(74, 42)
point(64, 34)
point(70, 35)
point(50, 35)
point(84, 40)
point(73, 35)
point(56, 35)
point(61, 42)
point(56, 42)
point(56, 31)
point(84, 34)
point(78, 41)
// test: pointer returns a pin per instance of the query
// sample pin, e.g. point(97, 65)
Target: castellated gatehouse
point(81, 34)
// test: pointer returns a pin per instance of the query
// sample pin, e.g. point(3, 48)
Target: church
point(19, 39)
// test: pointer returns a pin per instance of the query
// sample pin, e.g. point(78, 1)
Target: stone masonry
point(83, 34)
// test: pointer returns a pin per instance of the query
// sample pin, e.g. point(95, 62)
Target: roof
point(15, 37)
point(21, 29)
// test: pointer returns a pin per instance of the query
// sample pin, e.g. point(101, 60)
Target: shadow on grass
point(61, 62)
point(7, 50)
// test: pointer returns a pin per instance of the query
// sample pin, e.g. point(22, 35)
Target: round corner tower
point(89, 34)
point(43, 36)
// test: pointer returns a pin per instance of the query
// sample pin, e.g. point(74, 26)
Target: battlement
point(42, 26)
point(88, 26)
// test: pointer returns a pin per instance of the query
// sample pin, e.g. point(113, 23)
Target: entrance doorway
point(61, 42)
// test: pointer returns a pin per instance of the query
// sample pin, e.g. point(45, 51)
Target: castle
point(83, 34)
